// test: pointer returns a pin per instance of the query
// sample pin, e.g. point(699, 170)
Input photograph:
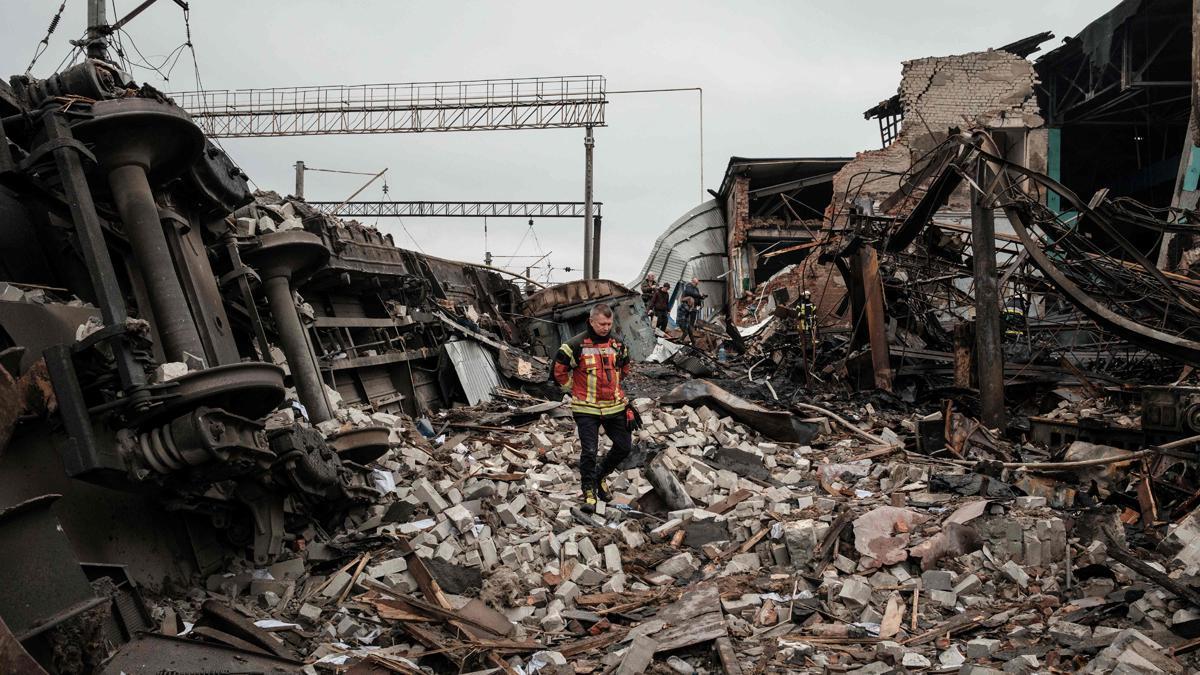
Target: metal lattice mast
point(425, 209)
point(466, 105)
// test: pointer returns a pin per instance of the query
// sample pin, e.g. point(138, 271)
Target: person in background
point(660, 307)
point(806, 320)
point(693, 300)
point(589, 367)
point(649, 285)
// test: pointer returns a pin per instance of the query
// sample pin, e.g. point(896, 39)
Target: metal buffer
point(281, 256)
point(139, 142)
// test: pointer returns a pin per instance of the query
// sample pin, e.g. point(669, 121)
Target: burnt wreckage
point(174, 348)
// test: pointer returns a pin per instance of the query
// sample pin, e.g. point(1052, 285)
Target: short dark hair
point(601, 309)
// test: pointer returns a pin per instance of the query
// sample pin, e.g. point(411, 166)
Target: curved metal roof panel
point(693, 245)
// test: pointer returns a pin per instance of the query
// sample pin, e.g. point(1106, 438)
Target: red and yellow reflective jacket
point(590, 368)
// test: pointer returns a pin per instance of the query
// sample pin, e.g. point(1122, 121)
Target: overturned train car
point(176, 355)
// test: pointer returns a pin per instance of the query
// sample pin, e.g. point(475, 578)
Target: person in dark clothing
point(693, 299)
point(649, 286)
point(590, 367)
point(660, 307)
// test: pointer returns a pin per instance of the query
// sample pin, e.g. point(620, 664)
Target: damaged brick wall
point(737, 210)
point(993, 89)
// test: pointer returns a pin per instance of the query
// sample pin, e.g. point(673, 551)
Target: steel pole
point(300, 179)
point(309, 386)
point(139, 214)
point(588, 143)
point(989, 346)
point(97, 20)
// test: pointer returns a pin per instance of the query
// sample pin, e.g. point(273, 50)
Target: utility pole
point(589, 271)
point(989, 348)
point(97, 20)
point(300, 179)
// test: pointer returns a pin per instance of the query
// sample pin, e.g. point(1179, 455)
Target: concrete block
point(952, 657)
point(615, 584)
point(1013, 571)
point(552, 623)
point(612, 558)
point(336, 585)
point(310, 612)
point(632, 535)
point(487, 552)
point(855, 591)
point(679, 566)
point(567, 591)
point(947, 599)
point(387, 567)
point(429, 495)
point(937, 580)
point(462, 519)
point(914, 660)
point(803, 538)
point(746, 601)
point(982, 648)
point(968, 585)
point(1070, 634)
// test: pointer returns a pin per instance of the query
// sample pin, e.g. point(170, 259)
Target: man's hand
point(633, 420)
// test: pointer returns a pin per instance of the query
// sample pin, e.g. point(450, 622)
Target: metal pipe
point(309, 386)
point(135, 202)
point(588, 144)
point(97, 35)
point(300, 179)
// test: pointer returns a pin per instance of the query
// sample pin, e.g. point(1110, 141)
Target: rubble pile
point(721, 550)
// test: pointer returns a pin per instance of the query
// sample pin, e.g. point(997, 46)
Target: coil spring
point(159, 451)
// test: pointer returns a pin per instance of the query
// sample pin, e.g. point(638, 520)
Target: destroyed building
point(238, 434)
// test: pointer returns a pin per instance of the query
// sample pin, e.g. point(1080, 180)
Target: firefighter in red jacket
point(590, 367)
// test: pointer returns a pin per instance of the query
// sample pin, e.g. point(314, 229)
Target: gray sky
point(779, 78)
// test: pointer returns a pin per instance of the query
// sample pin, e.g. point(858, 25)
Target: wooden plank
point(735, 498)
point(592, 599)
point(425, 581)
point(727, 656)
point(743, 547)
point(956, 624)
point(881, 357)
point(893, 617)
point(695, 631)
point(592, 643)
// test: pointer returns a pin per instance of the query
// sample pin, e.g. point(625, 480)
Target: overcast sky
point(780, 79)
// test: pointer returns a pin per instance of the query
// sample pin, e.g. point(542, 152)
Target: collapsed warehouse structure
point(883, 240)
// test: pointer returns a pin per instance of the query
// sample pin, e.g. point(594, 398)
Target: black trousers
point(662, 319)
point(588, 427)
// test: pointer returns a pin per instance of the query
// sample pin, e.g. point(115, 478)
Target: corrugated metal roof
point(693, 246)
point(475, 368)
